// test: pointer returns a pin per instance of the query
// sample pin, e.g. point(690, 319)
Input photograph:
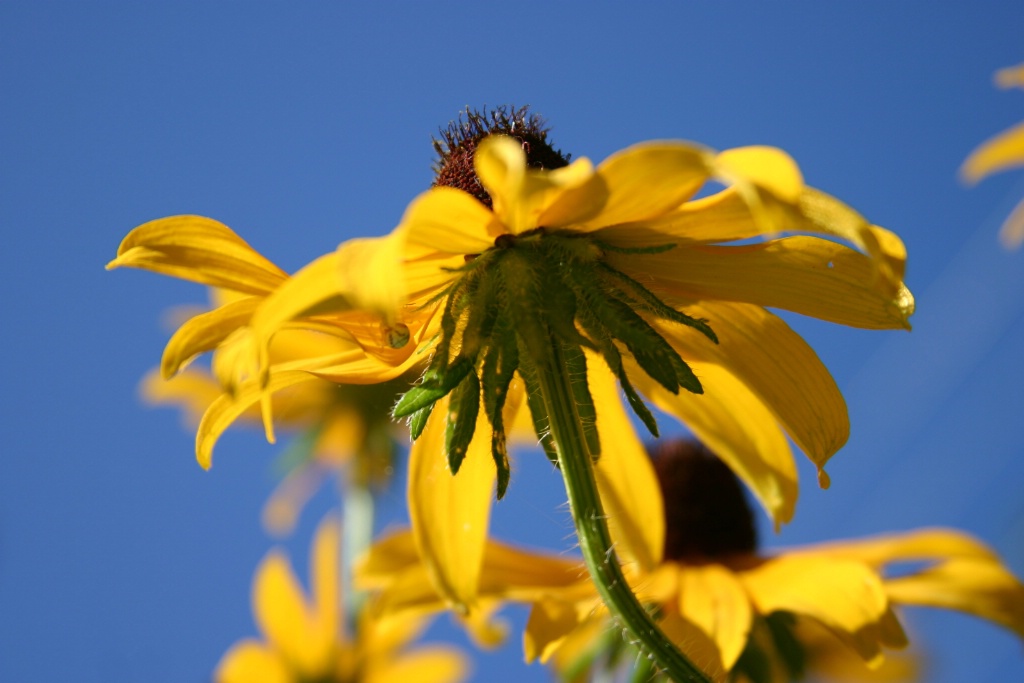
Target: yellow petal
point(520, 195)
point(625, 477)
point(847, 597)
point(326, 580)
point(926, 544)
point(193, 391)
point(730, 420)
point(550, 622)
point(807, 275)
point(646, 180)
point(978, 586)
point(998, 153)
point(204, 332)
point(774, 362)
point(249, 661)
point(450, 514)
point(1012, 232)
point(712, 599)
point(226, 409)
point(285, 618)
point(425, 665)
point(697, 646)
point(449, 221)
point(281, 511)
point(201, 250)
point(767, 168)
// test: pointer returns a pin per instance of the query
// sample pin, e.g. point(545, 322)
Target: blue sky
point(121, 560)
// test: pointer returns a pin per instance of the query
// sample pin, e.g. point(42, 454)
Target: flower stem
point(576, 464)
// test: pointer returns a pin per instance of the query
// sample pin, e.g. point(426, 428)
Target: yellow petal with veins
point(625, 477)
point(730, 420)
point(774, 362)
point(712, 599)
point(201, 250)
point(450, 514)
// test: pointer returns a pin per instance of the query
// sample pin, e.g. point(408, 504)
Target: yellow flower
point(205, 251)
point(999, 153)
point(683, 266)
point(303, 639)
point(734, 611)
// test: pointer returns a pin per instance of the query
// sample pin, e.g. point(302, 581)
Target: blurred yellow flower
point(633, 221)
point(736, 612)
point(999, 153)
point(304, 639)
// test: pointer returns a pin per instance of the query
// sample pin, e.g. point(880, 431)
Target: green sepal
point(576, 368)
point(637, 404)
point(418, 420)
point(435, 384)
point(649, 301)
point(499, 451)
point(462, 412)
point(535, 402)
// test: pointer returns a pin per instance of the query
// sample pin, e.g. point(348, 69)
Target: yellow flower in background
point(1000, 153)
point(740, 614)
point(303, 638)
point(205, 251)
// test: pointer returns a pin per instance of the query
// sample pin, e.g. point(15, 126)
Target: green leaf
point(418, 420)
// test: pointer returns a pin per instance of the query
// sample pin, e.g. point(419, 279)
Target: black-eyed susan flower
point(1000, 153)
point(743, 615)
point(304, 637)
point(535, 269)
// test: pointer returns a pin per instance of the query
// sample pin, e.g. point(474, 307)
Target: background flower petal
point(1001, 152)
point(712, 599)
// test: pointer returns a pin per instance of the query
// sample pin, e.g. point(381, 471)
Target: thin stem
point(595, 541)
point(357, 534)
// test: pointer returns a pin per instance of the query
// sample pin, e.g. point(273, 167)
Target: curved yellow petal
point(999, 153)
point(646, 180)
point(450, 221)
point(450, 514)
point(285, 618)
point(549, 624)
point(767, 168)
point(847, 597)
point(808, 275)
point(763, 352)
point(520, 195)
point(713, 599)
point(192, 390)
point(978, 586)
point(227, 408)
point(733, 422)
point(625, 477)
point(924, 544)
point(424, 665)
point(696, 645)
point(201, 250)
point(250, 661)
point(205, 332)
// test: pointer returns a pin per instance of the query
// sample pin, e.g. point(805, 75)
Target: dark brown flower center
point(458, 142)
point(707, 517)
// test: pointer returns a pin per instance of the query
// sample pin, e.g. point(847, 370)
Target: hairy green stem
point(576, 464)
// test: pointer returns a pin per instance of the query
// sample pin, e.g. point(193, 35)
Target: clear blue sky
point(121, 560)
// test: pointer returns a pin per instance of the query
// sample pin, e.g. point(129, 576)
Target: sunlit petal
point(625, 476)
point(767, 168)
point(426, 665)
point(450, 513)
point(712, 598)
point(731, 421)
point(326, 580)
point(204, 332)
point(550, 622)
point(847, 597)
point(192, 390)
point(450, 221)
point(775, 363)
point(201, 250)
point(807, 275)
